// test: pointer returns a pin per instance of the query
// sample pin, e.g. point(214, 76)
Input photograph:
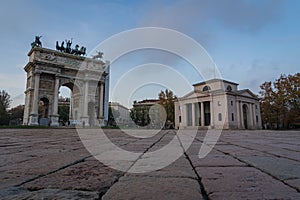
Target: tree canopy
point(4, 105)
point(280, 102)
point(166, 99)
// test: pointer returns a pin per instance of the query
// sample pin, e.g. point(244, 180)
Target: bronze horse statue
point(37, 42)
point(61, 47)
point(68, 49)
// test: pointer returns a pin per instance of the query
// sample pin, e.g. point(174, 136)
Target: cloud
point(242, 15)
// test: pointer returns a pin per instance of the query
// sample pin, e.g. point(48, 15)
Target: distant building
point(141, 113)
point(218, 104)
point(145, 103)
point(124, 117)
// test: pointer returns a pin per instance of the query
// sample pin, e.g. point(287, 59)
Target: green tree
point(167, 99)
point(63, 111)
point(140, 115)
point(4, 104)
point(16, 112)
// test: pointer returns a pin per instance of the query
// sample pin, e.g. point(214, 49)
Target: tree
point(63, 111)
point(167, 99)
point(16, 112)
point(4, 104)
point(280, 102)
point(140, 115)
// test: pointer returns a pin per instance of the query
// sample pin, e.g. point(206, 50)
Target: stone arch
point(48, 70)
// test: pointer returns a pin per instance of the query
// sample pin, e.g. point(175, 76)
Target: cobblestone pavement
point(53, 164)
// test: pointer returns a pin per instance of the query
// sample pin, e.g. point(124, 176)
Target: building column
point(55, 116)
point(193, 115)
point(182, 114)
point(250, 115)
point(202, 113)
point(237, 117)
point(211, 108)
point(33, 118)
point(254, 116)
point(242, 113)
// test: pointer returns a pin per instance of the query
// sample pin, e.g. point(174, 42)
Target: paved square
point(54, 164)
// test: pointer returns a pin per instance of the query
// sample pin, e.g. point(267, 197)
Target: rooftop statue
point(37, 42)
point(68, 48)
point(99, 55)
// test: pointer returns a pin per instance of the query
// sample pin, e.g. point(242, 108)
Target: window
point(231, 103)
point(178, 107)
point(229, 88)
point(220, 116)
point(256, 118)
point(255, 106)
point(219, 103)
point(232, 117)
point(206, 88)
point(179, 119)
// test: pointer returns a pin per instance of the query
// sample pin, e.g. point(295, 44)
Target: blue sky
point(251, 41)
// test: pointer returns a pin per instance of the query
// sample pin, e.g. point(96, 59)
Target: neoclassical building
point(218, 104)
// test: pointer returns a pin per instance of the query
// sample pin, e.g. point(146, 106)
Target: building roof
point(146, 102)
point(214, 80)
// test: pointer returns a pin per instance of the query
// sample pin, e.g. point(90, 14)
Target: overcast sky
point(250, 41)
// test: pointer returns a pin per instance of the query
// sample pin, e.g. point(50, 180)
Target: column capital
point(37, 72)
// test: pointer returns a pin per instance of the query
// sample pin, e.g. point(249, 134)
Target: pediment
point(247, 93)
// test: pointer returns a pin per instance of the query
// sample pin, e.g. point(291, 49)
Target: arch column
point(55, 117)
point(85, 117)
point(101, 101)
point(33, 117)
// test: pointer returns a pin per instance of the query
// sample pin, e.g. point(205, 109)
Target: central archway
point(69, 103)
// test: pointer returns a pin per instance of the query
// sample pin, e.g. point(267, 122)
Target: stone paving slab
point(143, 187)
point(243, 182)
point(281, 168)
point(54, 164)
point(22, 193)
point(88, 175)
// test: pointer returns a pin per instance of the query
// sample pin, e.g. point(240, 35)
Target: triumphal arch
point(87, 79)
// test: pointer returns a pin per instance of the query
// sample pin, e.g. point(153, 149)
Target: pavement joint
point(264, 171)
point(147, 149)
point(53, 171)
point(262, 151)
point(205, 196)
